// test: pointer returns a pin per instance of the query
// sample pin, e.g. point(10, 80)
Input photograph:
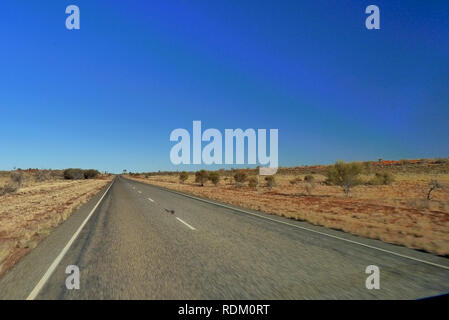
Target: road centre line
point(188, 225)
point(307, 229)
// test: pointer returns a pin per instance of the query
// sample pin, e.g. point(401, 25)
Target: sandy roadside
point(30, 215)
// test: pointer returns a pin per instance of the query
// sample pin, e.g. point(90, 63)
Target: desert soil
point(30, 214)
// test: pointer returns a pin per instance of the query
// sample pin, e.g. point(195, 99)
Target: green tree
point(345, 175)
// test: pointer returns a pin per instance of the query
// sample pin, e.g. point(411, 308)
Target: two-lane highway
point(144, 242)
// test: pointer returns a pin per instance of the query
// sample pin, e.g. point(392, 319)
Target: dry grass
point(397, 213)
point(30, 214)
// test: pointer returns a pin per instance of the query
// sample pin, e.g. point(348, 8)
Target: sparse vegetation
point(252, 182)
point(201, 177)
point(78, 174)
point(345, 175)
point(309, 178)
point(15, 183)
point(91, 174)
point(368, 167)
point(8, 188)
point(41, 175)
point(434, 184)
point(382, 178)
point(183, 176)
point(309, 187)
point(240, 177)
point(295, 181)
point(43, 205)
point(214, 177)
point(73, 174)
point(271, 181)
point(17, 178)
point(397, 213)
point(441, 161)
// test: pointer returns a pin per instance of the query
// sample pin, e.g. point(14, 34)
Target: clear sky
point(108, 95)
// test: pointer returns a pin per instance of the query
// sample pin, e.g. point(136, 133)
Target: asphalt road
point(144, 242)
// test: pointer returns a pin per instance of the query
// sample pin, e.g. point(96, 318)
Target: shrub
point(214, 177)
point(91, 174)
point(434, 184)
point(183, 176)
point(73, 174)
point(441, 161)
point(309, 178)
point(345, 175)
point(17, 178)
point(271, 182)
point(294, 181)
point(309, 187)
point(9, 188)
point(252, 182)
point(201, 177)
point(240, 177)
point(382, 178)
point(368, 167)
point(41, 175)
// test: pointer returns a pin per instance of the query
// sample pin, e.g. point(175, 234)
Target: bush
point(441, 161)
point(201, 177)
point(252, 182)
point(41, 175)
point(368, 167)
point(271, 182)
point(345, 175)
point(295, 181)
point(240, 177)
point(91, 174)
point(17, 178)
point(434, 184)
point(183, 176)
point(9, 188)
point(382, 178)
point(78, 174)
point(309, 187)
point(214, 177)
point(309, 178)
point(73, 174)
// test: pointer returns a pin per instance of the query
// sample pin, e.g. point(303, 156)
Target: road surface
point(145, 242)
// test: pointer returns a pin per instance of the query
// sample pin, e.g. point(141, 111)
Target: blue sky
point(108, 95)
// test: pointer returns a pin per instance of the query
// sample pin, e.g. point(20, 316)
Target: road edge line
point(299, 227)
point(33, 294)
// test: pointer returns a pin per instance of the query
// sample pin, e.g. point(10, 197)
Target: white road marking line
point(188, 225)
point(61, 255)
point(315, 231)
point(151, 199)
